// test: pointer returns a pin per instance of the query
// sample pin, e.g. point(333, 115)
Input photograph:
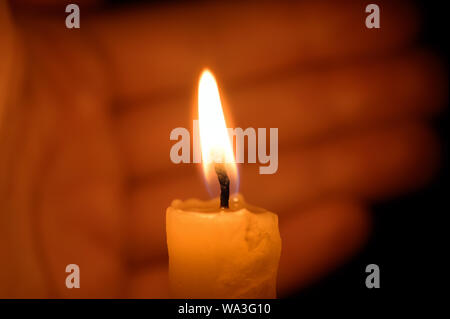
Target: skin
point(85, 175)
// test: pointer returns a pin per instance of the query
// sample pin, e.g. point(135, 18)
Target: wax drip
point(224, 185)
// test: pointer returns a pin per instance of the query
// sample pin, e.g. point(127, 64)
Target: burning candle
point(223, 248)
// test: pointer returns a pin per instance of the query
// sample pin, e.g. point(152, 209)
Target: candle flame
point(215, 142)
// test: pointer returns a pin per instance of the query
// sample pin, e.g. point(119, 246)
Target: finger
point(318, 239)
point(304, 107)
point(371, 165)
point(153, 52)
point(314, 103)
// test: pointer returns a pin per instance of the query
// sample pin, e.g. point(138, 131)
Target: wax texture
point(222, 254)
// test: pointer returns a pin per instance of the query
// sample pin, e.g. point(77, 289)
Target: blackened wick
point(224, 185)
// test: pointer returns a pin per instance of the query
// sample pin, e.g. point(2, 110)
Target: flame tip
point(207, 73)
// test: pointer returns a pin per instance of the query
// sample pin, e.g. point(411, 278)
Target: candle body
point(223, 253)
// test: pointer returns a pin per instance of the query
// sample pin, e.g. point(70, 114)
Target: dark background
point(408, 239)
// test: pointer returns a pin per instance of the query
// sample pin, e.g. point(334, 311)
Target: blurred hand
point(85, 118)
